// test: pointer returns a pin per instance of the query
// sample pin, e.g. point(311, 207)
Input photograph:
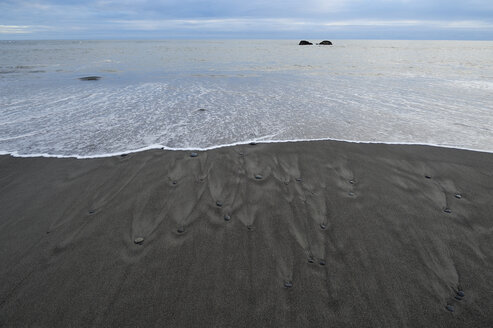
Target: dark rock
point(351, 193)
point(202, 109)
point(253, 143)
point(139, 240)
point(427, 177)
point(219, 204)
point(311, 260)
point(227, 218)
point(325, 43)
point(288, 284)
point(457, 297)
point(458, 196)
point(447, 210)
point(322, 262)
point(180, 230)
point(461, 293)
point(299, 179)
point(92, 211)
point(123, 155)
point(323, 226)
point(450, 308)
point(194, 155)
point(304, 43)
point(90, 78)
point(351, 181)
point(259, 177)
point(175, 182)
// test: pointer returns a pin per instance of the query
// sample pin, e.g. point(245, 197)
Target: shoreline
point(242, 143)
point(308, 233)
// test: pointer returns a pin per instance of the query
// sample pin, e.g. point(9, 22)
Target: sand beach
point(303, 234)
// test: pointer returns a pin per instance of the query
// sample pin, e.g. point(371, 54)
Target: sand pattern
point(306, 234)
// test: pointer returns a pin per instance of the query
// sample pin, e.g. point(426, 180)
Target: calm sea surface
point(429, 92)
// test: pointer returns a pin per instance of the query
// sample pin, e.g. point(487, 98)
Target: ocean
point(207, 94)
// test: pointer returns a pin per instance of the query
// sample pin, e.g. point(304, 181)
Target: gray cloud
point(255, 18)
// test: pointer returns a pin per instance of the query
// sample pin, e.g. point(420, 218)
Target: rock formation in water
point(90, 78)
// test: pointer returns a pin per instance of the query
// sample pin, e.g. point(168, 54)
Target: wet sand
point(307, 234)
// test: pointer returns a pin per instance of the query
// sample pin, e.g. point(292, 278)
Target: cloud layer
point(94, 19)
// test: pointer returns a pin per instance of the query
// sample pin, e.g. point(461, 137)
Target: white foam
point(161, 147)
point(476, 84)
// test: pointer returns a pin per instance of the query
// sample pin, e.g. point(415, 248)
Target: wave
point(162, 147)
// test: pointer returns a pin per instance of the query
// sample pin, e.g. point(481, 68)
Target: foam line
point(259, 141)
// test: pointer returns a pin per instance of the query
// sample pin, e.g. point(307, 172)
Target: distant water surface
point(429, 92)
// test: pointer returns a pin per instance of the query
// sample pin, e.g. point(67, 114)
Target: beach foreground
point(304, 234)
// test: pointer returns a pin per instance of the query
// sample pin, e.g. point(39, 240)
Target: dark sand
point(384, 252)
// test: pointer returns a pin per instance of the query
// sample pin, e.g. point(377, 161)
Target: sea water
point(151, 94)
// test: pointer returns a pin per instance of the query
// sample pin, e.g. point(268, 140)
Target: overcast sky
point(199, 19)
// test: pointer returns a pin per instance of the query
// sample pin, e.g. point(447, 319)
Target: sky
point(246, 19)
